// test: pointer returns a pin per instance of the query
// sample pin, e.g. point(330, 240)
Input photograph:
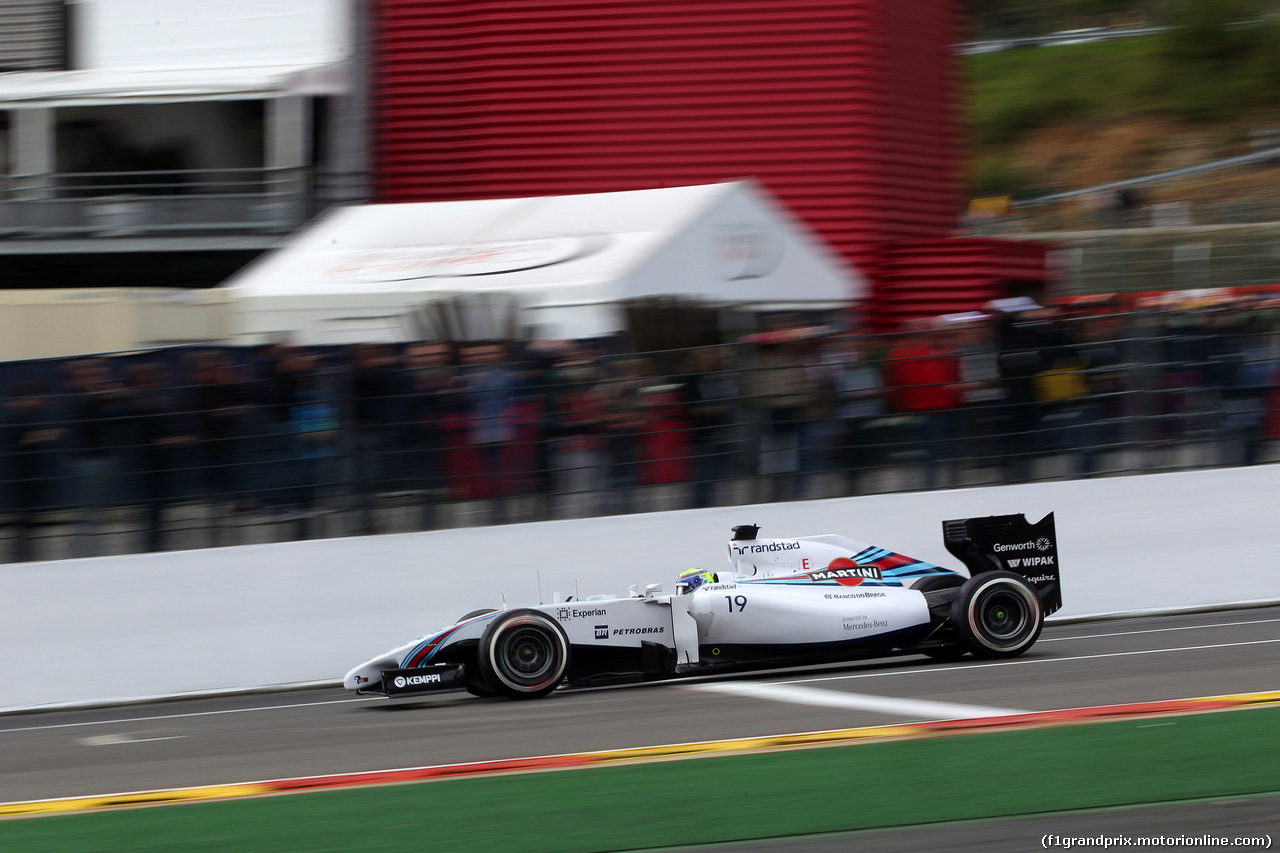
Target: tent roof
point(728, 243)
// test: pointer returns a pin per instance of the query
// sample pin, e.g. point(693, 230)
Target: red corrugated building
point(845, 109)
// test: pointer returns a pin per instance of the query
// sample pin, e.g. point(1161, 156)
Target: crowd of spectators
point(288, 432)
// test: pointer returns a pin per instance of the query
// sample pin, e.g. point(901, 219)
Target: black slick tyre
point(476, 685)
point(937, 582)
point(479, 687)
point(523, 654)
point(939, 606)
point(997, 615)
point(474, 613)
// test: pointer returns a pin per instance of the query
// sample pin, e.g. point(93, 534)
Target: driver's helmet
point(691, 579)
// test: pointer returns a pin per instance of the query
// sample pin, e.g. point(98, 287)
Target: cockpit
point(690, 579)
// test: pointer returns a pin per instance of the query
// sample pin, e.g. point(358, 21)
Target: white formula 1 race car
point(783, 602)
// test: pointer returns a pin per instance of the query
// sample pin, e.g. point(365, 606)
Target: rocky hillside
point(1044, 119)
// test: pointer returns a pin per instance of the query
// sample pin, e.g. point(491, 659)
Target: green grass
point(724, 798)
point(1013, 92)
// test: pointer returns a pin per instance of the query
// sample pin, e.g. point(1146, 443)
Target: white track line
point(1155, 631)
point(924, 709)
point(965, 667)
point(116, 740)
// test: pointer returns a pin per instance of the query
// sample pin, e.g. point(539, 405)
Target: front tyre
point(523, 654)
point(474, 613)
point(997, 615)
point(480, 687)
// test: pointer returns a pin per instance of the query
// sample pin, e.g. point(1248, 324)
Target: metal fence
point(119, 204)
point(197, 447)
point(1195, 263)
point(1047, 223)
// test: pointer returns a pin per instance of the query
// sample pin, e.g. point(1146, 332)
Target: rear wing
point(1009, 542)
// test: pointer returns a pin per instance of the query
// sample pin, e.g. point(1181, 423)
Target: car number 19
point(738, 601)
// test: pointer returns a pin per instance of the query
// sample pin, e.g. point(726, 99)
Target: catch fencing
point(198, 447)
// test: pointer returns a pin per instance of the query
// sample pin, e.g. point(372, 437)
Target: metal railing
point(1156, 216)
point(246, 200)
point(1117, 267)
point(1116, 205)
point(201, 447)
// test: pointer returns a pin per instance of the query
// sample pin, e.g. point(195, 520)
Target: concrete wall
point(55, 323)
point(213, 34)
point(122, 628)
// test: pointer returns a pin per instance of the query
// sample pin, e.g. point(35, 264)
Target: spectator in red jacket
point(922, 375)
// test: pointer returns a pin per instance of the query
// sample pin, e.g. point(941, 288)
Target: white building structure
point(140, 127)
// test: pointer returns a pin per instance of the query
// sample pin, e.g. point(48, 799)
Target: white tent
point(566, 263)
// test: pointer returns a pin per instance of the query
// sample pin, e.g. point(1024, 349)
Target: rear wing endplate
point(1009, 542)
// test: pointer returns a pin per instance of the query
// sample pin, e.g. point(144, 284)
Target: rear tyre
point(937, 582)
point(997, 615)
point(939, 607)
point(523, 654)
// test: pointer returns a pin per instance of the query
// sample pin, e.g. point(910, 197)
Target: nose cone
point(362, 677)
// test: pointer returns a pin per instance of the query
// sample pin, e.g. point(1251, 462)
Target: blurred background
point(977, 243)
